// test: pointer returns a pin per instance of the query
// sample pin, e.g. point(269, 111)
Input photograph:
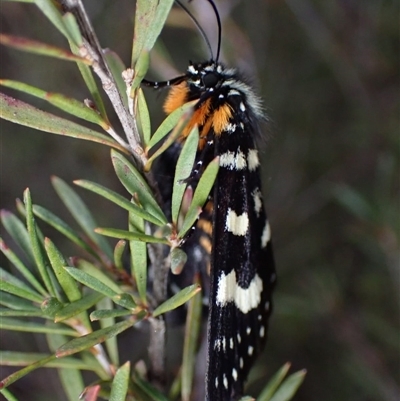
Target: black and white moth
point(242, 274)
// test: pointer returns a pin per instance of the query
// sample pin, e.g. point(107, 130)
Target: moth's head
point(205, 76)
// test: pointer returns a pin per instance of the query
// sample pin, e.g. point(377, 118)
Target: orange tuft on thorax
point(177, 97)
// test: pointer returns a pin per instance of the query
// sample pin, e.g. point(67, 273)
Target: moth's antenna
point(198, 26)
point(219, 27)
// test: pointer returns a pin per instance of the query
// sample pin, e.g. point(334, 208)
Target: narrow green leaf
point(13, 358)
point(91, 281)
point(79, 306)
point(192, 331)
point(200, 196)
point(170, 123)
point(184, 167)
point(32, 327)
point(72, 382)
point(13, 258)
point(43, 49)
point(18, 303)
point(143, 116)
point(65, 103)
point(7, 394)
point(51, 12)
point(118, 254)
point(107, 313)
point(101, 275)
point(158, 22)
point(274, 383)
point(97, 337)
point(23, 372)
point(22, 292)
point(21, 313)
point(24, 114)
point(134, 183)
point(289, 387)
point(138, 257)
point(129, 235)
point(81, 213)
point(58, 262)
point(144, 15)
point(62, 227)
point(118, 200)
point(177, 300)
point(73, 28)
point(141, 67)
point(38, 252)
point(108, 321)
point(120, 384)
point(18, 233)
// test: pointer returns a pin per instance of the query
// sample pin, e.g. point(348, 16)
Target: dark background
point(328, 72)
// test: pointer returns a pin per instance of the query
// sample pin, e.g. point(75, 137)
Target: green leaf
point(62, 227)
point(119, 388)
point(181, 113)
point(72, 27)
point(13, 358)
point(24, 114)
point(129, 235)
point(107, 313)
point(18, 233)
point(118, 254)
point(32, 327)
point(7, 394)
point(58, 262)
point(125, 300)
point(274, 383)
point(200, 196)
point(143, 116)
point(146, 391)
point(118, 200)
point(141, 67)
point(192, 331)
point(289, 387)
point(43, 49)
point(79, 306)
point(177, 300)
point(81, 213)
point(184, 167)
point(21, 313)
point(144, 15)
point(12, 285)
point(138, 257)
point(178, 260)
point(135, 184)
point(17, 303)
point(97, 337)
point(38, 252)
point(23, 372)
point(66, 104)
point(50, 10)
point(13, 258)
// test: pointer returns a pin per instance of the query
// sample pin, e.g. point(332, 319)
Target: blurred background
point(328, 73)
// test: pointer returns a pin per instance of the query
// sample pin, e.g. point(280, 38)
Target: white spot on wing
point(248, 330)
point(234, 374)
point(192, 70)
point(242, 106)
point(253, 160)
point(262, 331)
point(250, 350)
point(266, 235)
point(237, 225)
point(231, 344)
point(216, 382)
point(239, 338)
point(257, 201)
point(245, 299)
point(233, 160)
point(241, 363)
point(225, 382)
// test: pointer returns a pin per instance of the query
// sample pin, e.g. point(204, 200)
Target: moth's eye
point(210, 79)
